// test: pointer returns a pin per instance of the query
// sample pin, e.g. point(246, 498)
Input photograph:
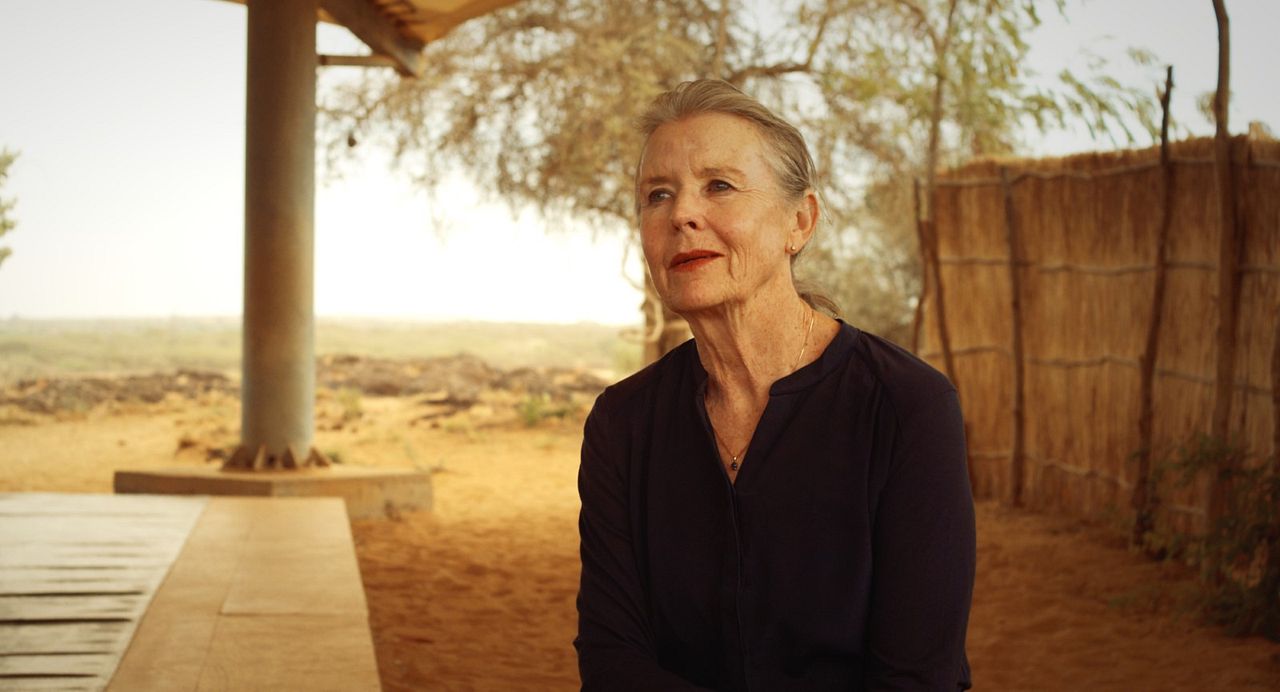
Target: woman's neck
point(747, 347)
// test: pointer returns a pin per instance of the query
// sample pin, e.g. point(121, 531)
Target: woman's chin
point(691, 303)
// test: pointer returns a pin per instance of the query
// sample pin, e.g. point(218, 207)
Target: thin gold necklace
point(804, 345)
point(735, 459)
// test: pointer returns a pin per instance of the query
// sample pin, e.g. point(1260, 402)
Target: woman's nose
point(686, 212)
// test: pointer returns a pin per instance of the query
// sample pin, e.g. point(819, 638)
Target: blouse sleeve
point(923, 555)
point(615, 643)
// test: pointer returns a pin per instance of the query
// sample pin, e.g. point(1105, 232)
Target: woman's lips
point(691, 261)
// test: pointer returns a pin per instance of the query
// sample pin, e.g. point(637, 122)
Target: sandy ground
point(478, 594)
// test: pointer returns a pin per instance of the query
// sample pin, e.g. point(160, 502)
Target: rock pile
point(454, 382)
point(78, 394)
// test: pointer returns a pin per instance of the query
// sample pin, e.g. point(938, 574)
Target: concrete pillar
point(278, 370)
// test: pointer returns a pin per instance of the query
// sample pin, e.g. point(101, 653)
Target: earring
point(793, 248)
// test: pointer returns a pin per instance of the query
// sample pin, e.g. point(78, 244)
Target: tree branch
point(935, 118)
point(722, 39)
point(779, 69)
point(922, 20)
point(738, 76)
point(827, 12)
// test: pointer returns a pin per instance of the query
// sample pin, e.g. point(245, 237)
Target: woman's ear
point(806, 221)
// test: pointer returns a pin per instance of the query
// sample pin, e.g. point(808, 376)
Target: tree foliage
point(535, 103)
point(7, 222)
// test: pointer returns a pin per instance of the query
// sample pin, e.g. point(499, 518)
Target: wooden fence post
point(944, 333)
point(1145, 500)
point(926, 267)
point(1228, 264)
point(1017, 463)
point(1275, 399)
point(1272, 571)
point(940, 305)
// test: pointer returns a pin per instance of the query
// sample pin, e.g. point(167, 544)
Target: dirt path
point(1060, 605)
point(478, 594)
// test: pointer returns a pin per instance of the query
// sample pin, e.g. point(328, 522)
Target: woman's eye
point(656, 196)
point(719, 186)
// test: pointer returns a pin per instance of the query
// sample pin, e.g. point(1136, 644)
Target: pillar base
point(369, 493)
point(249, 459)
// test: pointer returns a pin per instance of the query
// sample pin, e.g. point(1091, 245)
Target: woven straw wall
point(1085, 230)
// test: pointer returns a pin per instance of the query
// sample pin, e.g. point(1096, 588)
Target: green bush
point(1238, 556)
point(349, 400)
point(536, 408)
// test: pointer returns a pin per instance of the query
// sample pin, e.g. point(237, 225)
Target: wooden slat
point(88, 528)
point(15, 609)
point(93, 637)
point(55, 556)
point(47, 684)
point(56, 665)
point(76, 574)
point(34, 580)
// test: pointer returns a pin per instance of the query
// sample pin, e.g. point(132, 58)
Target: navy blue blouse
point(842, 557)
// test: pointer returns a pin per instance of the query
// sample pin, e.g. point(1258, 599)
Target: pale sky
point(129, 116)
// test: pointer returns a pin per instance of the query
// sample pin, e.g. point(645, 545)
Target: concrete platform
point(369, 493)
point(265, 595)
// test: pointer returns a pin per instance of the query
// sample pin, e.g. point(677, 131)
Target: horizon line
point(423, 319)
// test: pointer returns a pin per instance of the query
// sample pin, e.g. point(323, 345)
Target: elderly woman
point(780, 503)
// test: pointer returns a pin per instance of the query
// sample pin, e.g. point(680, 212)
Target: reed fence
point(1075, 303)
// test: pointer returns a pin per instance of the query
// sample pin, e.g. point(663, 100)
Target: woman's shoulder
point(921, 403)
point(903, 375)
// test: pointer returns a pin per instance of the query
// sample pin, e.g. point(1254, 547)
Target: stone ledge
point(265, 595)
point(369, 493)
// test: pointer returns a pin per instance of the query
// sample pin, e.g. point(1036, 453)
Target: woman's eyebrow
point(654, 180)
point(718, 171)
point(706, 172)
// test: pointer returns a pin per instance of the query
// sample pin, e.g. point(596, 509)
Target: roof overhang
point(397, 30)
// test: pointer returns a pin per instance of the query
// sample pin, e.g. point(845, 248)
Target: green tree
point(7, 222)
point(535, 103)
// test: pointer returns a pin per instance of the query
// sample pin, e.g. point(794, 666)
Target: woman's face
point(714, 223)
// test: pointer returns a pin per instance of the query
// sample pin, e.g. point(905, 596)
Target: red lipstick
point(691, 260)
